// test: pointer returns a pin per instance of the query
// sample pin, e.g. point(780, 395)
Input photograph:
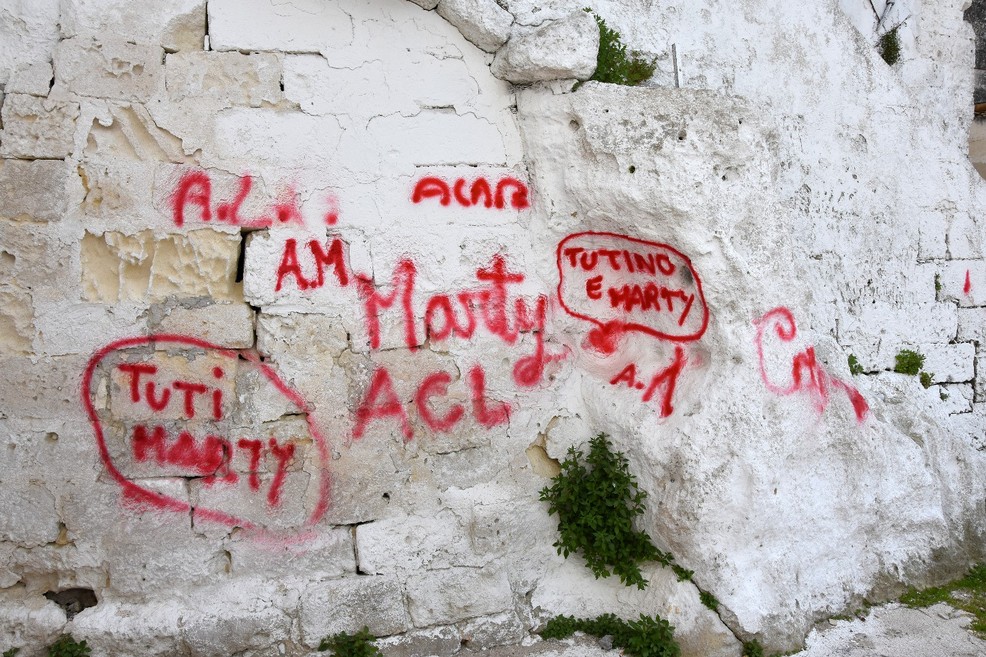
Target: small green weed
point(967, 594)
point(614, 65)
point(908, 362)
point(645, 637)
point(926, 379)
point(66, 646)
point(752, 649)
point(596, 499)
point(889, 46)
point(708, 600)
point(938, 285)
point(11, 652)
point(854, 367)
point(351, 645)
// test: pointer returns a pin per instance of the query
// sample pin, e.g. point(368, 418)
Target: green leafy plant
point(926, 379)
point(752, 649)
point(908, 362)
point(66, 646)
point(596, 499)
point(708, 600)
point(854, 367)
point(889, 46)
point(968, 594)
point(644, 637)
point(614, 64)
point(11, 652)
point(351, 645)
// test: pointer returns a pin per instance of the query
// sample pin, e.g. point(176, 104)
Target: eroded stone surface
point(566, 48)
point(37, 128)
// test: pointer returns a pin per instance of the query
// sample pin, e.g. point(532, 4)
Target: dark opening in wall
point(73, 600)
point(975, 15)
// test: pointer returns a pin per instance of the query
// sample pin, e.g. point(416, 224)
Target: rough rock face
point(300, 305)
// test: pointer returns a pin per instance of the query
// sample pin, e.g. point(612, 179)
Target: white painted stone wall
point(241, 244)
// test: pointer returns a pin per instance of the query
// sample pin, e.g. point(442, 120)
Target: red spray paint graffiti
point(458, 314)
point(479, 193)
point(192, 199)
point(210, 458)
point(967, 287)
point(807, 374)
point(623, 284)
point(661, 385)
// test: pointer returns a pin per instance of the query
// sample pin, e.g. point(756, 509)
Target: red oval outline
point(631, 325)
point(161, 501)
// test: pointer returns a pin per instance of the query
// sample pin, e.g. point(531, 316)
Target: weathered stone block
point(260, 25)
point(949, 363)
point(492, 631)
point(565, 48)
point(224, 324)
point(107, 68)
point(442, 640)
point(346, 605)
point(329, 553)
point(37, 128)
point(16, 321)
point(483, 22)
point(300, 336)
point(455, 594)
point(964, 237)
point(200, 263)
point(434, 138)
point(972, 325)
point(227, 78)
point(27, 514)
point(34, 190)
point(414, 543)
point(178, 25)
point(964, 281)
point(34, 79)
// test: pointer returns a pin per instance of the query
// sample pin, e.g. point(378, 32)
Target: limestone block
point(108, 68)
point(939, 323)
point(34, 79)
point(299, 336)
point(201, 263)
point(329, 553)
point(482, 22)
point(34, 190)
point(178, 25)
point(563, 49)
point(455, 594)
point(28, 32)
point(307, 26)
point(568, 587)
point(951, 398)
point(121, 133)
point(405, 544)
point(148, 550)
point(932, 229)
point(964, 281)
point(37, 128)
point(434, 138)
point(224, 324)
point(964, 237)
point(227, 78)
point(972, 325)
point(151, 630)
point(492, 631)
point(980, 382)
point(316, 273)
point(16, 321)
point(57, 325)
point(232, 628)
point(27, 514)
point(248, 135)
point(949, 363)
point(28, 623)
point(442, 640)
point(42, 387)
point(346, 605)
